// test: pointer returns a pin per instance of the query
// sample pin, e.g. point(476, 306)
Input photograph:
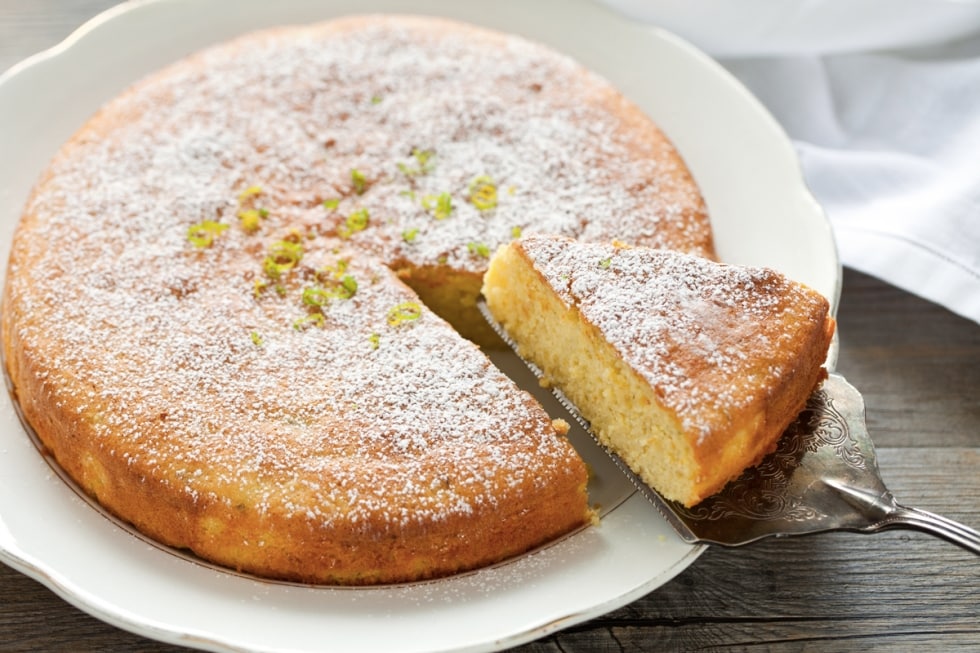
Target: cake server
point(822, 477)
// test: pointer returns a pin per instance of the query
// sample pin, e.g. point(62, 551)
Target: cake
point(688, 369)
point(206, 319)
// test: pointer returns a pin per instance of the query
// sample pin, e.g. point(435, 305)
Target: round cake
point(206, 318)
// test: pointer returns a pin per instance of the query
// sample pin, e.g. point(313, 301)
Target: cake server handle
point(925, 521)
point(882, 512)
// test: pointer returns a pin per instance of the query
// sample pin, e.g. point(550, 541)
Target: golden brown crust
point(165, 374)
point(173, 386)
point(274, 521)
point(768, 417)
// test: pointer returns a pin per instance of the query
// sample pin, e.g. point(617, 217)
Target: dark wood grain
point(914, 362)
point(918, 367)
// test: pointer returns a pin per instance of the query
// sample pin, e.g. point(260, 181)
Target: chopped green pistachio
point(404, 312)
point(249, 193)
point(515, 232)
point(440, 206)
point(256, 338)
point(294, 236)
point(375, 340)
point(250, 219)
point(483, 193)
point(423, 160)
point(409, 193)
point(330, 274)
point(250, 215)
point(313, 319)
point(203, 233)
point(423, 157)
point(409, 234)
point(316, 296)
point(375, 99)
point(345, 288)
point(359, 180)
point(258, 286)
point(349, 283)
point(331, 204)
point(605, 263)
point(479, 249)
point(356, 221)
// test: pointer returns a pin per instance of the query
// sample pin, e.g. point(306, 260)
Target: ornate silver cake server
point(822, 477)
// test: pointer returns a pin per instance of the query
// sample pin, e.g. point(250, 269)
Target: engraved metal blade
point(823, 476)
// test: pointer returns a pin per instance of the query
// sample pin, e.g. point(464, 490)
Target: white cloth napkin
point(889, 140)
point(890, 146)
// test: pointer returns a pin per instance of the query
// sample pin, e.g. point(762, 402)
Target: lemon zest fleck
point(423, 160)
point(404, 312)
point(250, 220)
point(249, 193)
point(440, 206)
point(283, 256)
point(356, 221)
point(483, 193)
point(203, 233)
point(312, 319)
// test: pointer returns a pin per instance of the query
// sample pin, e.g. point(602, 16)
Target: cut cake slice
point(688, 369)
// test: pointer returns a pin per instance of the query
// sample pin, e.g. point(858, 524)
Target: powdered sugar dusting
point(297, 111)
point(707, 337)
point(199, 376)
point(418, 426)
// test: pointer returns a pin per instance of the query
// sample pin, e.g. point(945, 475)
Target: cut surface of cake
point(688, 369)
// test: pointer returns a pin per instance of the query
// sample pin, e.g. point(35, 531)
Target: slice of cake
point(690, 370)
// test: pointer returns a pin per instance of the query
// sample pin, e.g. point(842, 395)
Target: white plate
point(748, 28)
point(762, 214)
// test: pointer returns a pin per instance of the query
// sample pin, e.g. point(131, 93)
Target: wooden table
point(918, 367)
